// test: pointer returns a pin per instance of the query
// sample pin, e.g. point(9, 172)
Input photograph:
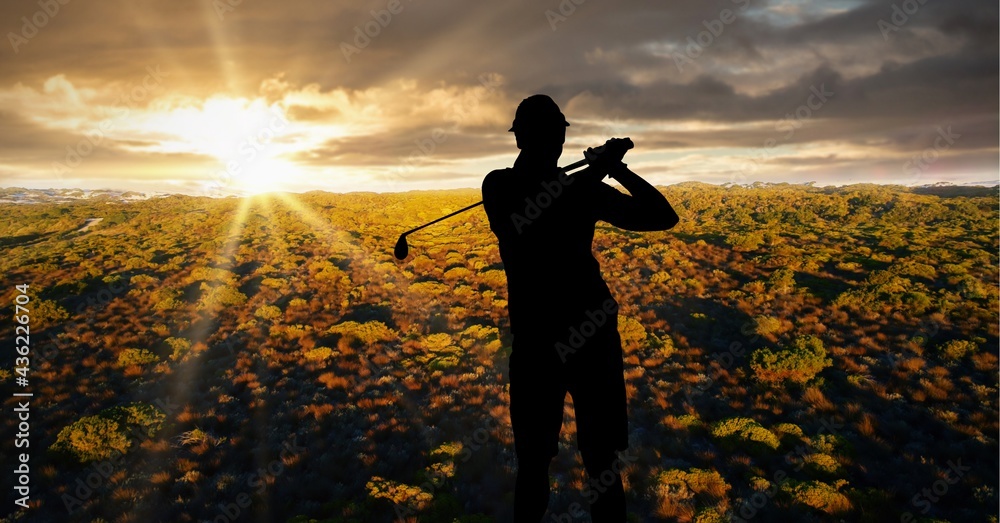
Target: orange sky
point(221, 96)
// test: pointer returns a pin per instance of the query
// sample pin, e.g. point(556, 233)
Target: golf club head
point(402, 249)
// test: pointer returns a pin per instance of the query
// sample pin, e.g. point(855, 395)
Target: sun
point(248, 139)
point(264, 175)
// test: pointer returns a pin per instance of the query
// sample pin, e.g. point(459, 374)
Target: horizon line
point(941, 183)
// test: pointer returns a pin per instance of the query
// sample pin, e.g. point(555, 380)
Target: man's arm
point(644, 209)
point(494, 200)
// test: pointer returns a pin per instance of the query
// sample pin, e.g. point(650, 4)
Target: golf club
point(402, 249)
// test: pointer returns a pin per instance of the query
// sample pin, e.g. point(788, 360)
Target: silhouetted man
point(563, 318)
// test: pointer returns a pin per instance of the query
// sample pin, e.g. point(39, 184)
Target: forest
point(792, 353)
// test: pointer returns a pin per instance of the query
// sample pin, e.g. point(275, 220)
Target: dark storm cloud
point(420, 145)
point(600, 60)
point(22, 141)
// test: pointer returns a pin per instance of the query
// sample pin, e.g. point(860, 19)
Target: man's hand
point(608, 157)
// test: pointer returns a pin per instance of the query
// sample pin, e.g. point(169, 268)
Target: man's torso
point(544, 223)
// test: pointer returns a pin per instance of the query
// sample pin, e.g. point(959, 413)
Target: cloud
point(460, 68)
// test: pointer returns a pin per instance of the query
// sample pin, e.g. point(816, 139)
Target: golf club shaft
point(568, 168)
point(428, 224)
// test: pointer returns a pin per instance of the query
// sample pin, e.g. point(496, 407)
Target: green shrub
point(782, 279)
point(444, 363)
point(689, 420)
point(401, 494)
point(268, 312)
point(367, 333)
point(799, 362)
point(142, 280)
point(437, 342)
point(136, 357)
point(212, 274)
point(820, 496)
point(447, 451)
point(92, 438)
point(971, 288)
point(319, 353)
point(764, 325)
point(439, 353)
point(179, 346)
point(788, 429)
point(710, 515)
point(106, 435)
point(679, 491)
point(918, 302)
point(956, 349)
point(166, 298)
point(632, 333)
point(274, 283)
point(142, 415)
point(220, 296)
point(831, 443)
point(744, 433)
point(47, 313)
point(822, 463)
point(663, 346)
point(478, 335)
point(745, 241)
point(759, 484)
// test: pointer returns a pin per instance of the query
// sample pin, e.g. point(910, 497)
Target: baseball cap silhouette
point(535, 110)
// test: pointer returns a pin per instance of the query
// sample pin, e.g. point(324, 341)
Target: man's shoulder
point(495, 178)
point(497, 175)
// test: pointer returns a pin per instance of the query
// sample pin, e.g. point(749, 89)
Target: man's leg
point(596, 380)
point(537, 395)
point(606, 484)
point(531, 491)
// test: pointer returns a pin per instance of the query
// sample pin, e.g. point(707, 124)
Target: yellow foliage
point(319, 353)
point(632, 332)
point(368, 332)
point(399, 493)
point(821, 496)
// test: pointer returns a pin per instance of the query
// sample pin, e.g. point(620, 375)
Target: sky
point(245, 96)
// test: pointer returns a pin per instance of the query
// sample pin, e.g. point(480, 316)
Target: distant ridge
point(23, 195)
point(950, 190)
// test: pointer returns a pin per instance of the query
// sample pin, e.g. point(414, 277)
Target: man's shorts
point(546, 363)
